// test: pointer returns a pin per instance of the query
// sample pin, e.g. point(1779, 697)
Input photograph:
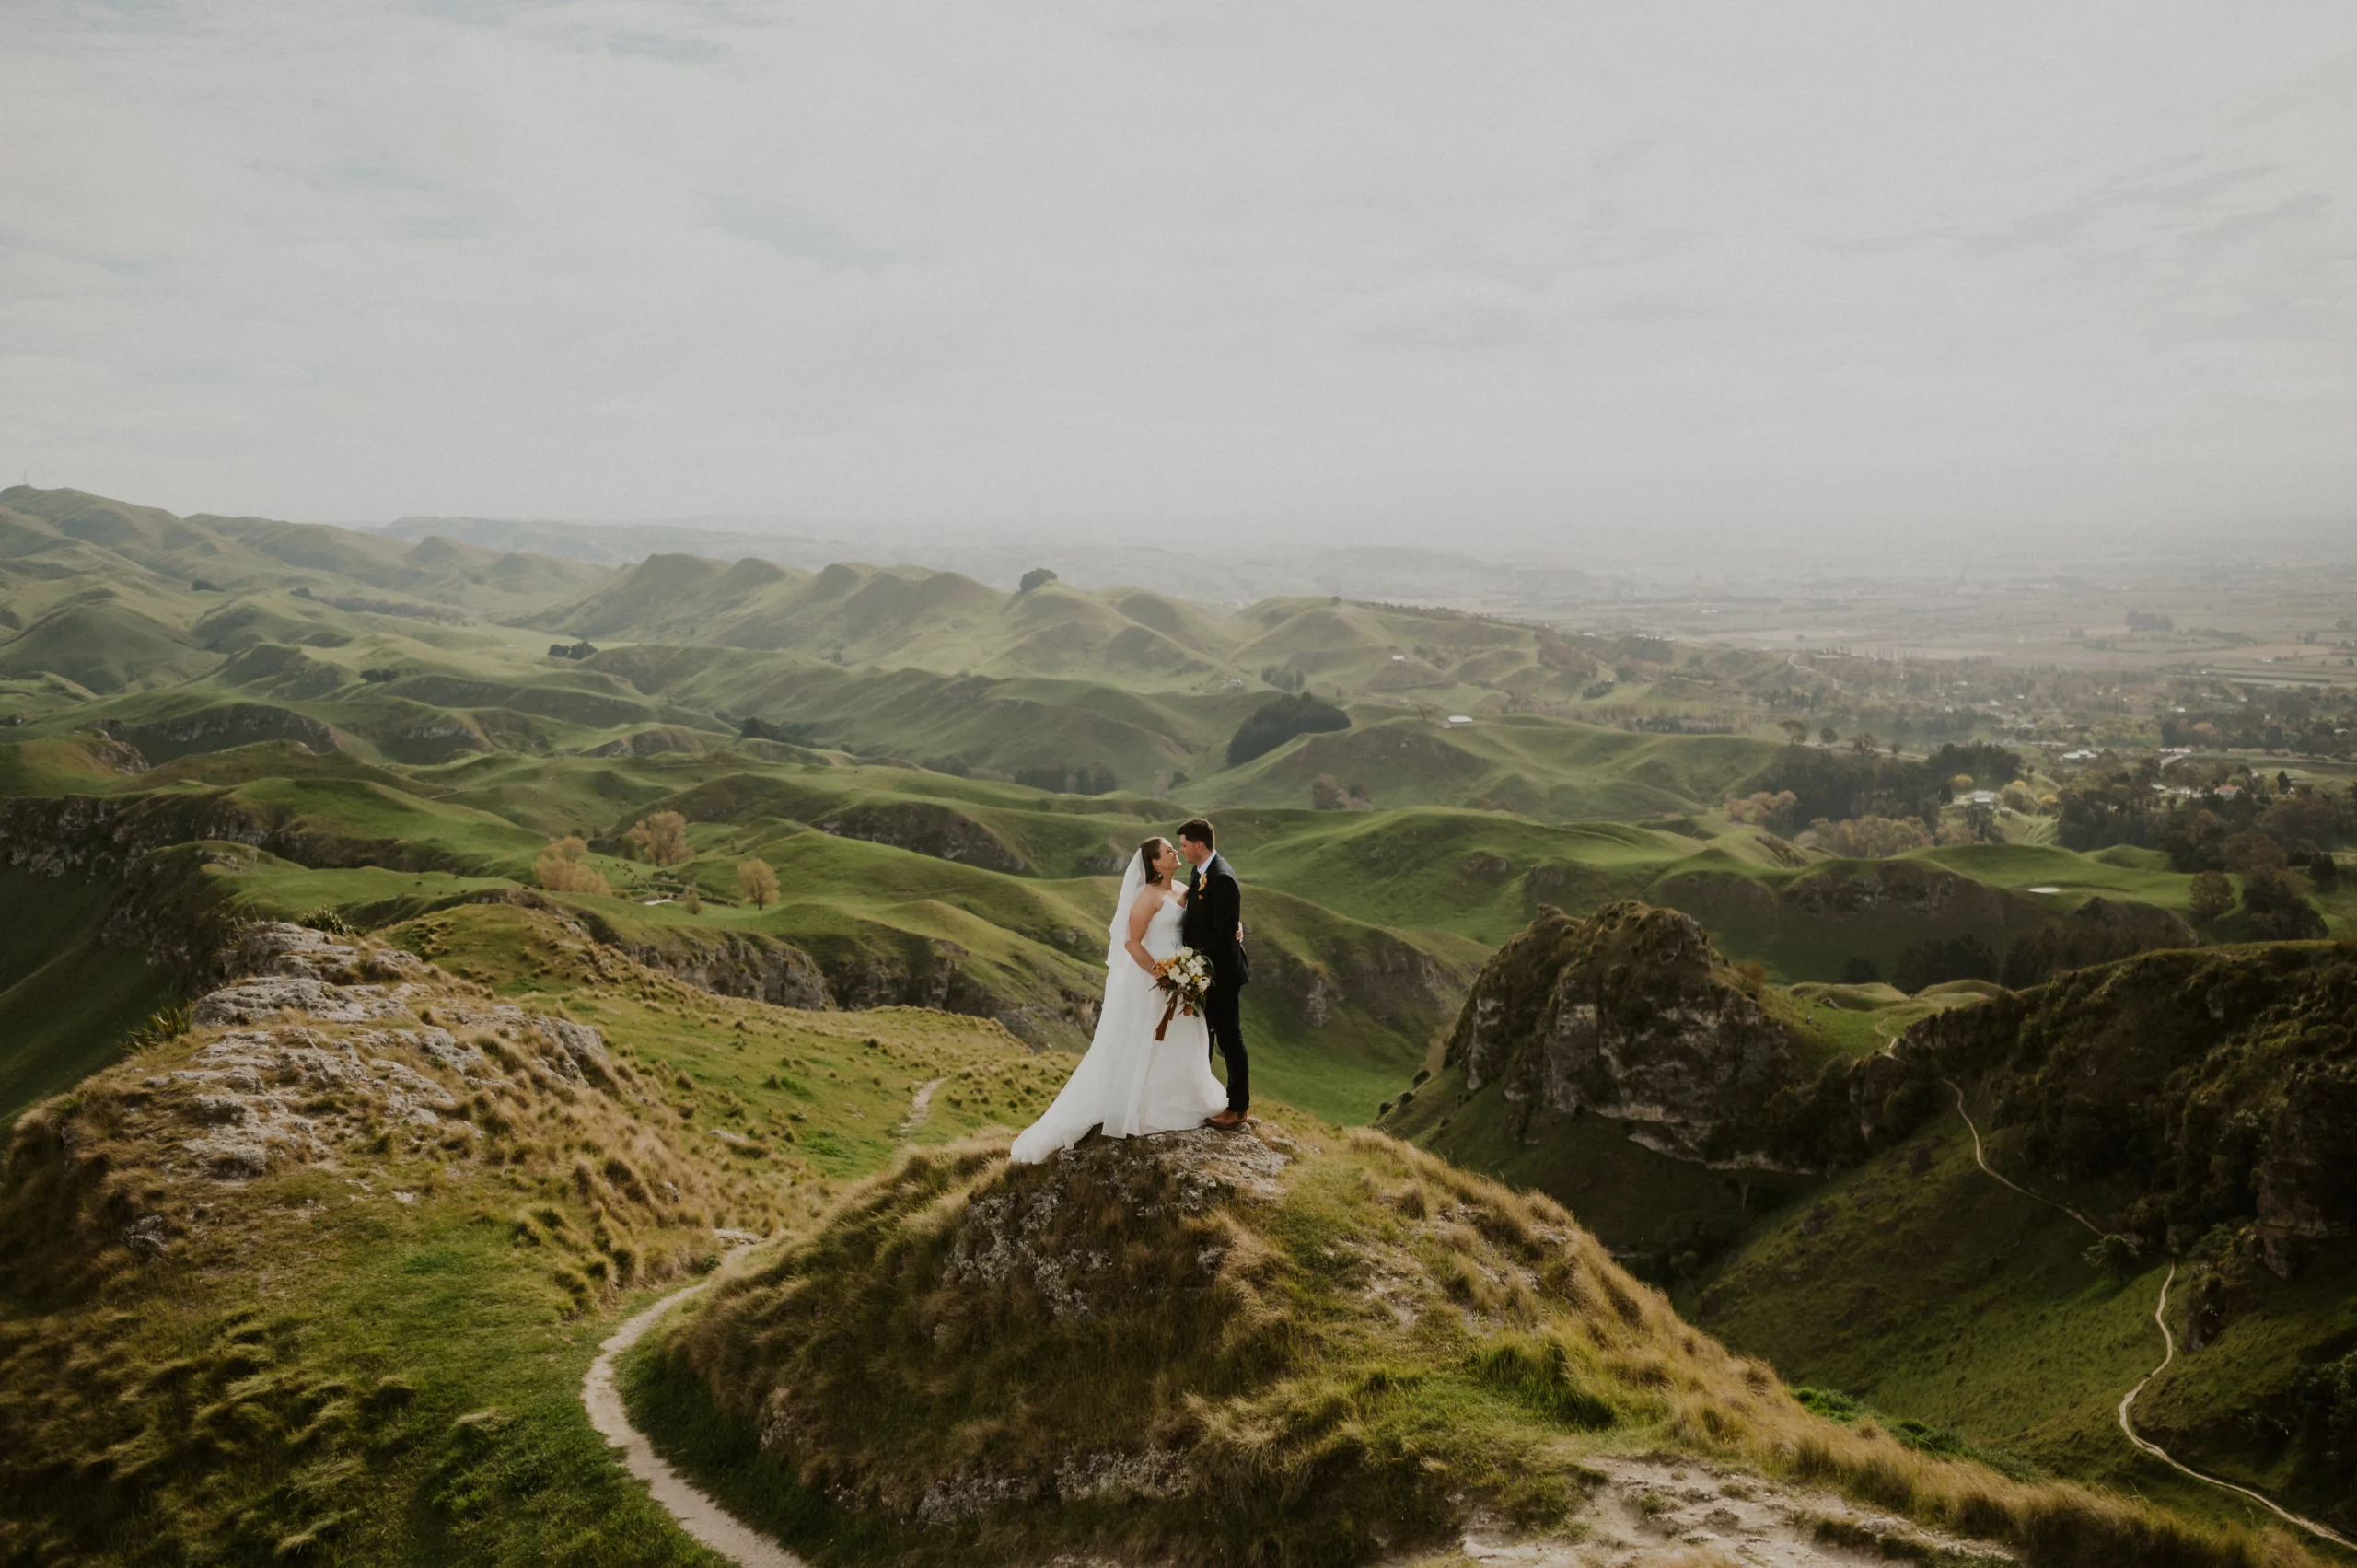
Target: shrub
point(662, 838)
point(1872, 837)
point(1762, 809)
point(2115, 1255)
point(756, 882)
point(563, 867)
point(1278, 720)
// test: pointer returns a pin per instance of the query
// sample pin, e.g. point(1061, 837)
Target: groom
point(1211, 927)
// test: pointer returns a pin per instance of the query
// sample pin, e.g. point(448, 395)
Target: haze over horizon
point(1519, 281)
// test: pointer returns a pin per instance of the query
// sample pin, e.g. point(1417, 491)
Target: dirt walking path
point(2168, 1348)
point(918, 1103)
point(697, 1514)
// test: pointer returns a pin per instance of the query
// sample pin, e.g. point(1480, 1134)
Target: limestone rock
point(266, 996)
point(1628, 1015)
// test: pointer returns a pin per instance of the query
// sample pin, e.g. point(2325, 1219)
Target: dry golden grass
point(1332, 1371)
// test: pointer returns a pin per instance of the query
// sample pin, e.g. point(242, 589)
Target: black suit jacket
point(1213, 922)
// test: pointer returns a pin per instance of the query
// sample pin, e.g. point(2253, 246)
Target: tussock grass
point(1335, 1369)
point(379, 1356)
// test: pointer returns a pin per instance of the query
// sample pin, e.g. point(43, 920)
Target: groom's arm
point(1226, 907)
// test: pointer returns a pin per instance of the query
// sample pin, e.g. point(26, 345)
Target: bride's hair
point(1150, 851)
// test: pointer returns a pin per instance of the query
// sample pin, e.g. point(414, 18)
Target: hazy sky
point(1455, 272)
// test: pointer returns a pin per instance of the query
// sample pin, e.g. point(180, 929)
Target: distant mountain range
point(1378, 572)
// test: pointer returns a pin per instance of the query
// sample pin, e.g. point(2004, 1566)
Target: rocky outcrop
point(102, 835)
point(738, 964)
point(1628, 1015)
point(880, 967)
point(1395, 981)
point(2210, 1087)
point(655, 742)
point(251, 1093)
point(1010, 1234)
point(221, 727)
point(108, 835)
point(2306, 1188)
point(925, 828)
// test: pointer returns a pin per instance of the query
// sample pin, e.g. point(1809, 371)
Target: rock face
point(252, 1094)
point(106, 835)
point(1631, 1014)
point(926, 828)
point(1013, 1230)
point(655, 742)
point(733, 964)
point(2216, 1087)
point(218, 728)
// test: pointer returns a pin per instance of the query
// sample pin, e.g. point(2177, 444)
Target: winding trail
point(697, 1514)
point(2168, 1346)
point(918, 1103)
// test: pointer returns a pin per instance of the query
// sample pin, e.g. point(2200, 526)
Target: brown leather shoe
point(1227, 1121)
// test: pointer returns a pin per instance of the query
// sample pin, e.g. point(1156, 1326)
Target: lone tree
point(563, 867)
point(1325, 793)
point(1796, 730)
point(662, 838)
point(1038, 577)
point(756, 883)
point(2209, 897)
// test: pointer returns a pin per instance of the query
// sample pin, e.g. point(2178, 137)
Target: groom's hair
point(1148, 853)
point(1196, 828)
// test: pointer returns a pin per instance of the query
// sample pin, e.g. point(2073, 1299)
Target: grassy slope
point(1374, 1346)
point(1647, 1206)
point(69, 1001)
point(1920, 1286)
point(441, 1338)
point(1543, 767)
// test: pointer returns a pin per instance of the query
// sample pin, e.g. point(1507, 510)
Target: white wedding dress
point(1130, 1082)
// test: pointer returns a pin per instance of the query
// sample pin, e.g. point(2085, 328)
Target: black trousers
point(1221, 1016)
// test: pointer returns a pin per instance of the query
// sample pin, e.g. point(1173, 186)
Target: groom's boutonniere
point(1186, 978)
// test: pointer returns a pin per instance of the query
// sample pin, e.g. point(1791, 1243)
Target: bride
point(1130, 1082)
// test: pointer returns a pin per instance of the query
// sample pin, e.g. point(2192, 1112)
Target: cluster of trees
point(1038, 577)
point(1064, 778)
point(564, 867)
point(1278, 720)
point(1937, 960)
point(581, 649)
point(1779, 813)
point(1284, 679)
point(2305, 719)
point(1836, 786)
point(1871, 838)
point(1328, 793)
point(752, 728)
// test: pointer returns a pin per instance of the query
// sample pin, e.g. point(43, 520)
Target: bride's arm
point(1141, 916)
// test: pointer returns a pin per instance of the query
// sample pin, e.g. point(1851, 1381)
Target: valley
point(392, 1005)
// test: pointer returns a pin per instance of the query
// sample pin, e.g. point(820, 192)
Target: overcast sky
point(1465, 273)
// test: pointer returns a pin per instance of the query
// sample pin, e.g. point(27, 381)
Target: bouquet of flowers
point(1185, 977)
